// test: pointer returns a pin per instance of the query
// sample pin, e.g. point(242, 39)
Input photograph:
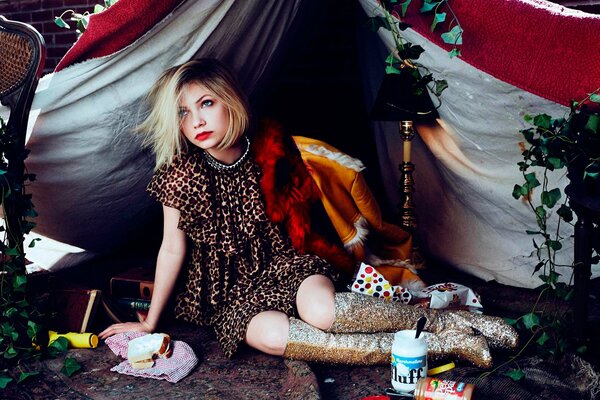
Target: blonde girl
point(241, 274)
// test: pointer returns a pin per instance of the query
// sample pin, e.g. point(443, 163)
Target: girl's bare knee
point(268, 332)
point(318, 315)
point(315, 301)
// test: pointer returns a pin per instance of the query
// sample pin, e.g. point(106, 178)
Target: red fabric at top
point(116, 28)
point(544, 48)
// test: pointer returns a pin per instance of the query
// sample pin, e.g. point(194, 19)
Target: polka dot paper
point(370, 282)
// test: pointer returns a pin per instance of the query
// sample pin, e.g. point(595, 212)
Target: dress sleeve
point(168, 183)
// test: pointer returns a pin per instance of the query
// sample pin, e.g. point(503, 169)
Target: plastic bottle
point(409, 360)
point(76, 340)
point(441, 389)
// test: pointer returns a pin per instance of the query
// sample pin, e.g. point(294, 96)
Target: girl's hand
point(125, 327)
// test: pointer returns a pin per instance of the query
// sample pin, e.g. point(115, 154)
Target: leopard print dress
point(240, 263)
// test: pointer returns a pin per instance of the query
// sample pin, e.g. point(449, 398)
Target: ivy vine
point(81, 19)
point(404, 57)
point(552, 144)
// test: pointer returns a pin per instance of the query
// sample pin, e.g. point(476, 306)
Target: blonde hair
point(162, 125)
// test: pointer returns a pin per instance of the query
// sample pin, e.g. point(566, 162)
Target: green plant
point(19, 320)
point(553, 144)
point(404, 57)
point(21, 324)
point(81, 20)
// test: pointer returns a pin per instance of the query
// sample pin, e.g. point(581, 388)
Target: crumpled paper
point(171, 369)
point(442, 295)
point(370, 282)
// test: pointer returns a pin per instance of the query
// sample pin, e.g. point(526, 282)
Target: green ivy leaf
point(592, 124)
point(404, 6)
point(531, 320)
point(9, 312)
point(455, 52)
point(518, 191)
point(33, 329)
point(555, 163)
point(543, 339)
point(60, 345)
point(565, 213)
point(374, 23)
point(554, 244)
point(85, 21)
point(549, 199)
point(70, 367)
point(25, 375)
point(13, 251)
point(403, 26)
point(98, 8)
point(538, 266)
point(531, 180)
point(7, 328)
point(542, 121)
point(412, 52)
point(10, 352)
point(390, 69)
point(439, 17)
point(515, 374)
point(595, 98)
point(4, 381)
point(429, 6)
point(540, 211)
point(511, 321)
point(581, 349)
point(440, 86)
point(454, 36)
point(592, 175)
point(19, 283)
point(528, 118)
point(61, 23)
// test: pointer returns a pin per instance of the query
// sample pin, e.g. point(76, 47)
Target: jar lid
point(440, 369)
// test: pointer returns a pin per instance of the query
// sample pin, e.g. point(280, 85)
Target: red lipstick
point(203, 135)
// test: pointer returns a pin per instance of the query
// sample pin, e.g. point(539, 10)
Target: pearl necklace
point(218, 165)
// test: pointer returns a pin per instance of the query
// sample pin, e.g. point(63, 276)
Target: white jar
point(409, 361)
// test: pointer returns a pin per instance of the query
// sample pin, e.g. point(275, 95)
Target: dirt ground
point(252, 375)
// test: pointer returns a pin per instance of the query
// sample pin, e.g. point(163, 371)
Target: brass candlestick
point(405, 98)
point(407, 183)
point(408, 216)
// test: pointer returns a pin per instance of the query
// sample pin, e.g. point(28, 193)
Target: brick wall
point(40, 14)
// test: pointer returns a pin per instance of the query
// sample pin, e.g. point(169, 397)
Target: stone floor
point(251, 375)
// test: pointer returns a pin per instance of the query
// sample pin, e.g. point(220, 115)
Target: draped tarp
point(519, 57)
point(91, 172)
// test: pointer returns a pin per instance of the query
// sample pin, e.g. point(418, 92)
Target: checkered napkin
point(172, 369)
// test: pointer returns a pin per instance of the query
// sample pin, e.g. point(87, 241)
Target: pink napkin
point(171, 369)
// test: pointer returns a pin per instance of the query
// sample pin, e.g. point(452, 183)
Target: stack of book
point(130, 293)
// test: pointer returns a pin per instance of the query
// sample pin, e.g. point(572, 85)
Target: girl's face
point(204, 118)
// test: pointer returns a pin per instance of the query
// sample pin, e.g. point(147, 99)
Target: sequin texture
point(359, 313)
point(307, 343)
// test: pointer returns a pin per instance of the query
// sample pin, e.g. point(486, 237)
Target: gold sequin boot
point(360, 313)
point(456, 344)
point(307, 343)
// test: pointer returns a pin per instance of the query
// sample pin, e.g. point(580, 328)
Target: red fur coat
point(293, 199)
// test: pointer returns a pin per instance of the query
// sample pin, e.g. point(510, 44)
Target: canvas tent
point(519, 56)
